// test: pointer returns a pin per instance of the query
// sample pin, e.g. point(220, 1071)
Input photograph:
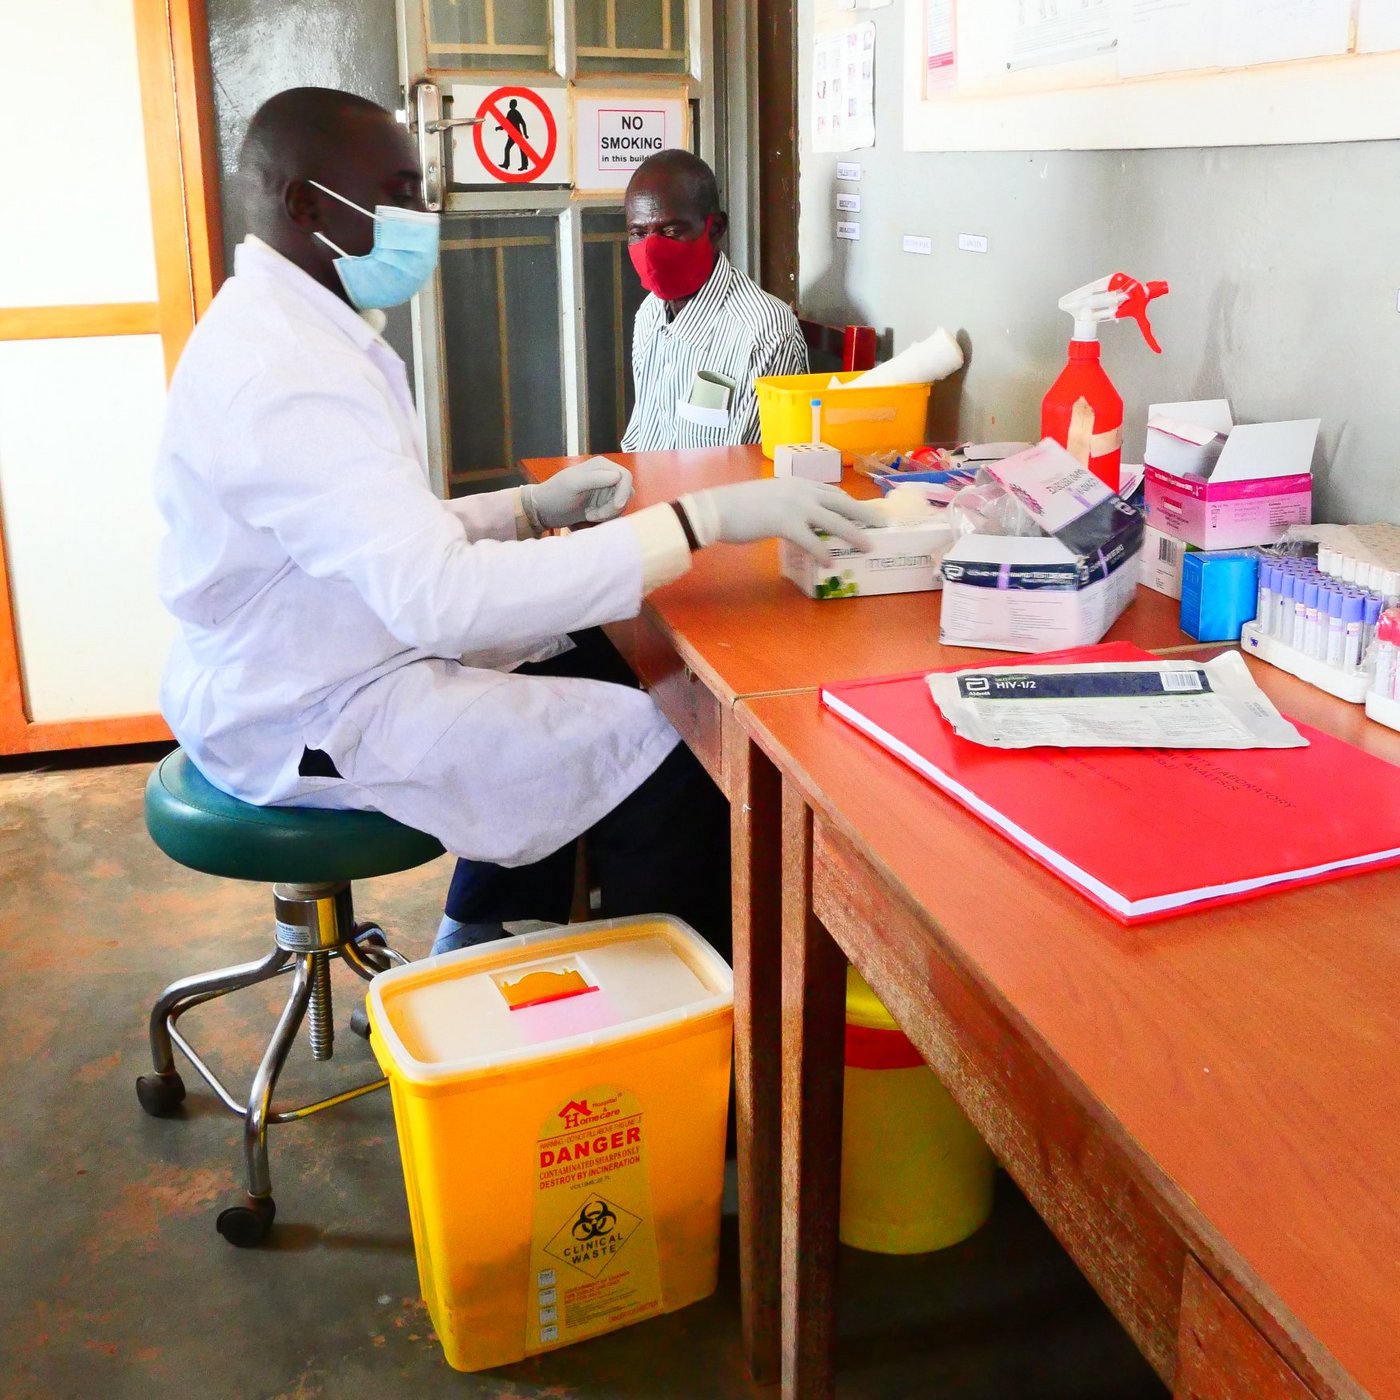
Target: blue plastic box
point(1219, 593)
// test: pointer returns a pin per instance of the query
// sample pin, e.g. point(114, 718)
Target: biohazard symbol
point(590, 1239)
point(596, 1218)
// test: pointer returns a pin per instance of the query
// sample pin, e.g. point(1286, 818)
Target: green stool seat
point(199, 826)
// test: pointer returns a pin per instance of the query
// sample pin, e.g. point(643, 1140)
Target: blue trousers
point(664, 849)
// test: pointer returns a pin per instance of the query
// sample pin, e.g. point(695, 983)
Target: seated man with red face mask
point(707, 331)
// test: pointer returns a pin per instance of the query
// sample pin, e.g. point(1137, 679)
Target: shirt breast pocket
point(701, 427)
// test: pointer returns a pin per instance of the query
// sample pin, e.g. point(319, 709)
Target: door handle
point(426, 122)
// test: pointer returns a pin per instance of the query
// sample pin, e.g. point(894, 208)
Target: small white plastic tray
point(1345, 685)
point(1383, 711)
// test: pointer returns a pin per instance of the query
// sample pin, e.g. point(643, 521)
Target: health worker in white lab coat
point(346, 639)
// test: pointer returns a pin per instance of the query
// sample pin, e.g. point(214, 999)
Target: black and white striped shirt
point(731, 327)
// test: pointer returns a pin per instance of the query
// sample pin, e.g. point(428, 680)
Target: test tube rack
point(1349, 685)
point(1383, 710)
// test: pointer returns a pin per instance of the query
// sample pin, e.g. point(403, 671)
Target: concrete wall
point(1284, 264)
point(260, 47)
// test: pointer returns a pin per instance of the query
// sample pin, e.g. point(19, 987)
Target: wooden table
point(1206, 1111)
point(734, 628)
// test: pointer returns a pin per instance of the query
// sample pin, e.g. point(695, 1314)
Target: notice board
point(987, 75)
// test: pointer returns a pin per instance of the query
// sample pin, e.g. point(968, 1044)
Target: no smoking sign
point(616, 132)
point(519, 139)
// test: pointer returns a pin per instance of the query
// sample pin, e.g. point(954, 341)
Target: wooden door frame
point(172, 43)
point(777, 146)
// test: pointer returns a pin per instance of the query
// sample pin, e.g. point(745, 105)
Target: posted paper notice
point(1278, 31)
point(843, 90)
point(616, 132)
point(1378, 26)
point(940, 45)
point(1060, 31)
point(1168, 36)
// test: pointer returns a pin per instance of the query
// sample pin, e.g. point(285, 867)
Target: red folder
point(1147, 833)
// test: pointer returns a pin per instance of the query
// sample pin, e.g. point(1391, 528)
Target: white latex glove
point(595, 490)
point(787, 508)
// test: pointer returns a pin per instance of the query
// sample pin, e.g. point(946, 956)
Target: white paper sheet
point(828, 126)
point(940, 46)
point(1060, 31)
point(1168, 36)
point(1378, 26)
point(1277, 31)
point(1117, 705)
point(843, 90)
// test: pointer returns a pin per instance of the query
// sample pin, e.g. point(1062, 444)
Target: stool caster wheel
point(247, 1226)
point(359, 1023)
point(160, 1094)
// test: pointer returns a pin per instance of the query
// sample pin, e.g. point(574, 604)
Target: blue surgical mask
point(404, 255)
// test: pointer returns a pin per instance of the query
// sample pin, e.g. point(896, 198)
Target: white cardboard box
point(1162, 556)
point(1219, 485)
point(905, 560)
point(1013, 619)
point(1013, 594)
point(813, 461)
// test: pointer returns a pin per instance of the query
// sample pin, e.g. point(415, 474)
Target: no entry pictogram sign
point(523, 138)
point(518, 140)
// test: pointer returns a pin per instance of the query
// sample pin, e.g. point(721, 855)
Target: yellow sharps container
point(915, 1176)
point(560, 1100)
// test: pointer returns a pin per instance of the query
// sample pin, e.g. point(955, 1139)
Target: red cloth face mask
point(673, 268)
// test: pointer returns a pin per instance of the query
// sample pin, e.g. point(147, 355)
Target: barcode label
point(1181, 680)
point(1168, 551)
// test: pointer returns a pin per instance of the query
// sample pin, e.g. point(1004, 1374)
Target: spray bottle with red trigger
point(1083, 412)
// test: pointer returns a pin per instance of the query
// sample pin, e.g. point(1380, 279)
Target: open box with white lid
point(1218, 484)
point(504, 1003)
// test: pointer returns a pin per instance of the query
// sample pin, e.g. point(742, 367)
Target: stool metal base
point(314, 923)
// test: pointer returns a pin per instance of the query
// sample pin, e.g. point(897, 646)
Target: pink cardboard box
point(1220, 486)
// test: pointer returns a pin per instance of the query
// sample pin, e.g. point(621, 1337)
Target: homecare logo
point(575, 1113)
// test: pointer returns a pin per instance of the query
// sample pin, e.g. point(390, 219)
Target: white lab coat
point(327, 598)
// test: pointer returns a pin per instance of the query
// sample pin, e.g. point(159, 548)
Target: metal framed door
point(522, 341)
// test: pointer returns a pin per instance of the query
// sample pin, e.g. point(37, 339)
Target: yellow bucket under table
point(915, 1175)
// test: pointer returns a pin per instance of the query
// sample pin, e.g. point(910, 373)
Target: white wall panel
point(1282, 263)
point(79, 425)
point(77, 223)
point(1084, 105)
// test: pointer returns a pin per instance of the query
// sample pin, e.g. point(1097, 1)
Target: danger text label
point(579, 1148)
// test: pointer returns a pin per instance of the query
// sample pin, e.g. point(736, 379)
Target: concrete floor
point(114, 1284)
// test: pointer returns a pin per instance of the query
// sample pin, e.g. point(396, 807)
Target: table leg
point(755, 805)
point(813, 1057)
